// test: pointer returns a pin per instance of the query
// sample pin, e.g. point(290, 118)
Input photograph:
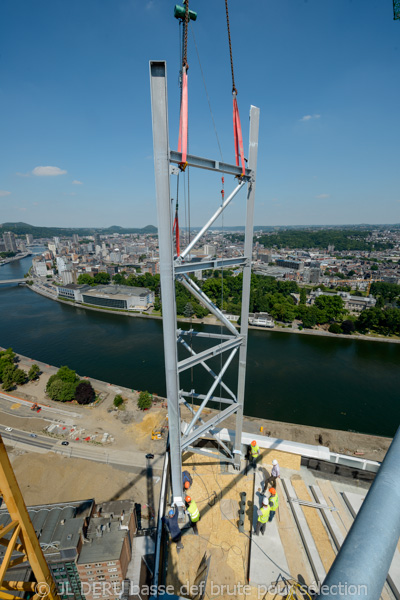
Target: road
point(25, 410)
point(136, 461)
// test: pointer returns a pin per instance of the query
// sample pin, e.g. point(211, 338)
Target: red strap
point(176, 229)
point(237, 134)
point(183, 121)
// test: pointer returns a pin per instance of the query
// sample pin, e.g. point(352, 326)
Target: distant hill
point(46, 232)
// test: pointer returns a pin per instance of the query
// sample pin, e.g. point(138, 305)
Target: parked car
point(9, 428)
point(64, 443)
point(149, 456)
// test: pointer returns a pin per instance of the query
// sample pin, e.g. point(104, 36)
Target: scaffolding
point(183, 436)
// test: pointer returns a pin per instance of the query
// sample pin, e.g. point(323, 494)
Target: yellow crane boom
point(19, 536)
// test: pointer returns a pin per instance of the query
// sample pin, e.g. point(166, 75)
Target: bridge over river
point(23, 280)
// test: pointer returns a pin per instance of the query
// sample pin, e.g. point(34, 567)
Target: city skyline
point(77, 144)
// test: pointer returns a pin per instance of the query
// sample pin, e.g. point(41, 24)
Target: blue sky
point(74, 95)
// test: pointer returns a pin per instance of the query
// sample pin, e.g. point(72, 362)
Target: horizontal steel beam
point(209, 164)
point(214, 435)
point(210, 453)
point(193, 333)
point(209, 264)
point(210, 424)
point(212, 399)
point(187, 363)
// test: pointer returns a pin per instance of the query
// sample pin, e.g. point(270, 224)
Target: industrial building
point(108, 296)
point(84, 544)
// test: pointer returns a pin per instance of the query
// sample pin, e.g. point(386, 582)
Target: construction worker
point(263, 516)
point(273, 503)
point(172, 524)
point(254, 453)
point(187, 480)
point(193, 512)
point(275, 473)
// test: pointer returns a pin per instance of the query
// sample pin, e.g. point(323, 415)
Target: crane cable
point(237, 128)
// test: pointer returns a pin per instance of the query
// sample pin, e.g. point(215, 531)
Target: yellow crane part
point(19, 536)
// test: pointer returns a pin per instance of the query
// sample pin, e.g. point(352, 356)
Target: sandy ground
point(52, 478)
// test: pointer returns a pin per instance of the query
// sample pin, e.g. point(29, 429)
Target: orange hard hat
point(187, 485)
point(254, 443)
point(272, 491)
point(188, 499)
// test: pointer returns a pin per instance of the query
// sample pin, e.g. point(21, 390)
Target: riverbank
point(211, 320)
point(6, 261)
point(342, 442)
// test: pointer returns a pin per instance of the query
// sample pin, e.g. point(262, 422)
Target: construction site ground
point(298, 546)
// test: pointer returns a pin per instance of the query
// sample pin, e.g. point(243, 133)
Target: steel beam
point(187, 363)
point(195, 334)
point(215, 216)
point(208, 164)
point(159, 109)
point(212, 399)
point(194, 289)
point(210, 424)
point(207, 368)
point(362, 564)
point(248, 245)
point(218, 263)
point(210, 453)
point(214, 435)
point(210, 392)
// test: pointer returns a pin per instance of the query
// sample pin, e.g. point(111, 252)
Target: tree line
point(274, 297)
point(11, 375)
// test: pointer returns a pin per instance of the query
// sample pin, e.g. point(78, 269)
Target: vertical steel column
point(159, 109)
point(248, 251)
point(362, 564)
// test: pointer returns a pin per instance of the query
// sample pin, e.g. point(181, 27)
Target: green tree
point(118, 400)
point(348, 326)
point(8, 382)
point(119, 279)
point(85, 278)
point(144, 400)
point(303, 295)
point(188, 310)
point(157, 303)
point(19, 376)
point(103, 278)
point(335, 328)
point(66, 374)
point(331, 305)
point(33, 372)
point(54, 389)
point(64, 391)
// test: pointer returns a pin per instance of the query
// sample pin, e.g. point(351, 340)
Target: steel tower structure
point(183, 436)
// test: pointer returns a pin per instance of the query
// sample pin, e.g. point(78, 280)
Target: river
point(322, 381)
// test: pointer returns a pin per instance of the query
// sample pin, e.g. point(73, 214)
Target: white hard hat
point(265, 501)
point(274, 462)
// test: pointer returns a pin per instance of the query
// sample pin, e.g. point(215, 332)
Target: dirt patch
point(46, 478)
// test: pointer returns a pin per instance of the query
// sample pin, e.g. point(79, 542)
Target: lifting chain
point(234, 90)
